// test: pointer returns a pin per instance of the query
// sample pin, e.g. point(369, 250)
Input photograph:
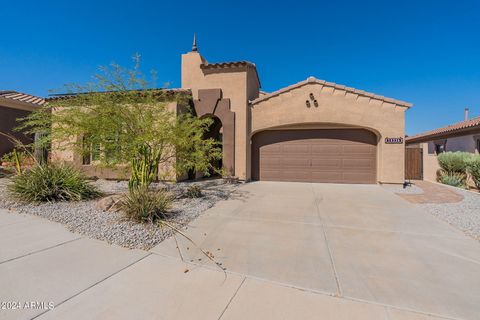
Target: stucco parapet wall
point(230, 66)
point(313, 80)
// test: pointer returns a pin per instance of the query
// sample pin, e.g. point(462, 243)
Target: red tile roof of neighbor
point(453, 128)
point(23, 97)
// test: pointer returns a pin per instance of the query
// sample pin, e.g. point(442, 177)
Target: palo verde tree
point(122, 119)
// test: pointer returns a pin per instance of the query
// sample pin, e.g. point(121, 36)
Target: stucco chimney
point(466, 114)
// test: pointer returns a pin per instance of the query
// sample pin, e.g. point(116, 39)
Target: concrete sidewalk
point(292, 251)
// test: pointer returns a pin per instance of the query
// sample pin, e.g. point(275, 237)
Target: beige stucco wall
point(62, 152)
point(239, 86)
point(339, 108)
point(430, 163)
point(462, 143)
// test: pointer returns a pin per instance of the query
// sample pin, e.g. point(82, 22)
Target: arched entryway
point(215, 132)
point(315, 155)
point(210, 103)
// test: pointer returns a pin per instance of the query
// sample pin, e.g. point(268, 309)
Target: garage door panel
point(359, 164)
point(327, 176)
point(358, 149)
point(284, 175)
point(318, 149)
point(327, 155)
point(294, 175)
point(326, 163)
point(292, 162)
point(271, 162)
point(296, 149)
point(272, 148)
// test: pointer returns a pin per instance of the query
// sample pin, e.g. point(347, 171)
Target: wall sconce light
point(311, 96)
point(307, 103)
point(315, 103)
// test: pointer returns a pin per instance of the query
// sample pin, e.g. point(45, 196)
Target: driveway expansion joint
point(41, 250)
point(233, 297)
point(330, 253)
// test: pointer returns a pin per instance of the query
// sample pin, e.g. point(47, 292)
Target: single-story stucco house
point(14, 105)
point(313, 131)
point(461, 136)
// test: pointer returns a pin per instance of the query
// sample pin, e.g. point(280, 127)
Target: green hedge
point(455, 179)
point(452, 162)
point(473, 168)
point(456, 167)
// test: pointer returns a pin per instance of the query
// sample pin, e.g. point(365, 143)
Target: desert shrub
point(473, 168)
point(451, 162)
point(145, 205)
point(45, 183)
point(456, 179)
point(15, 161)
point(194, 192)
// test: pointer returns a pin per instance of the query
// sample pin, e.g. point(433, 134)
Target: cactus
point(144, 167)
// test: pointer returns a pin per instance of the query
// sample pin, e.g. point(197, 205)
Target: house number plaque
point(394, 140)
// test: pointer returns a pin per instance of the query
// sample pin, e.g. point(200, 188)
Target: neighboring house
point(313, 131)
point(460, 136)
point(14, 105)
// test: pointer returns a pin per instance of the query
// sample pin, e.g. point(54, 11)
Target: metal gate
point(413, 164)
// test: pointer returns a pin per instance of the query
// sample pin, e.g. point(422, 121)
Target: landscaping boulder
point(109, 203)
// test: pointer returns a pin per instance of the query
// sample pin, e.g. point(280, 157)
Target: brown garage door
point(325, 155)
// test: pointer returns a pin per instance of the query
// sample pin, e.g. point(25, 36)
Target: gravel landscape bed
point(83, 217)
point(464, 215)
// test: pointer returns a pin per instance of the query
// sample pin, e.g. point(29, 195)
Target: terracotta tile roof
point(224, 65)
point(23, 97)
point(231, 65)
point(169, 92)
point(333, 85)
point(453, 128)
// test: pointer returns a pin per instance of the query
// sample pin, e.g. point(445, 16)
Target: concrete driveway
point(292, 251)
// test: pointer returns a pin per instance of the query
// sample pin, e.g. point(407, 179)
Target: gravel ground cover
point(82, 217)
point(464, 215)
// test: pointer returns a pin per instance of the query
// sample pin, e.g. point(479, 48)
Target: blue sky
point(424, 52)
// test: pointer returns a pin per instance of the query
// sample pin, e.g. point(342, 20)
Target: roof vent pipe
point(466, 114)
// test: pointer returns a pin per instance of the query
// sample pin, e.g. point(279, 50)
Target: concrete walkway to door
point(292, 251)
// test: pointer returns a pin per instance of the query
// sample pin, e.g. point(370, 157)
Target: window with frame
point(92, 151)
point(439, 148)
point(477, 145)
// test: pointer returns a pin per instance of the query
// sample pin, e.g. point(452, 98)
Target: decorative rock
point(83, 217)
point(108, 203)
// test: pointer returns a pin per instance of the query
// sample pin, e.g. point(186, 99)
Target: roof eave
point(443, 135)
point(17, 104)
point(312, 80)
